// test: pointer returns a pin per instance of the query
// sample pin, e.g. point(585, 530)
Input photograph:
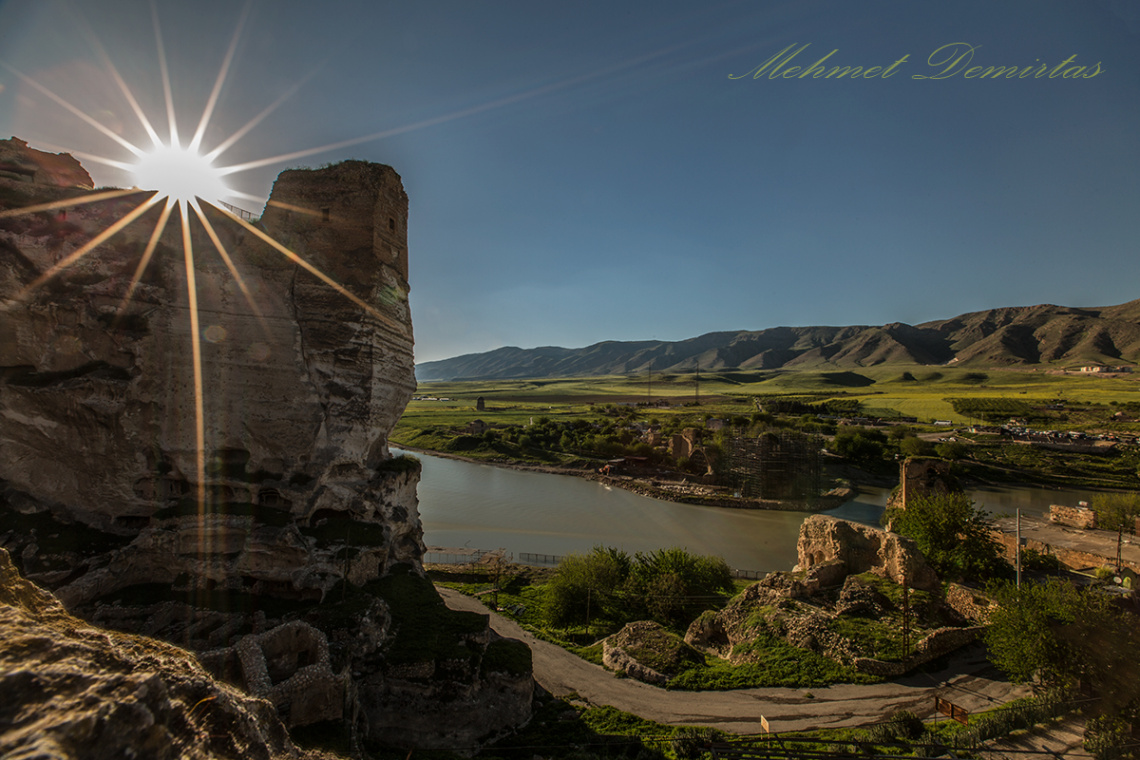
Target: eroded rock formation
point(269, 547)
point(862, 548)
point(27, 165)
point(846, 571)
point(301, 387)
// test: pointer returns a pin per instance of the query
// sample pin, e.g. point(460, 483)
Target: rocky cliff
point(271, 549)
point(301, 386)
point(72, 690)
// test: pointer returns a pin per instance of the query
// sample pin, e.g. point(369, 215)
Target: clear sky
point(588, 171)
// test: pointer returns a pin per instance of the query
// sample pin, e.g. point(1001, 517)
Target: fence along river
point(478, 506)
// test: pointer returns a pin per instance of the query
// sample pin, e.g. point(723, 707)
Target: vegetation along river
point(478, 506)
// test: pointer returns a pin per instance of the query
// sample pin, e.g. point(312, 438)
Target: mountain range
point(1005, 337)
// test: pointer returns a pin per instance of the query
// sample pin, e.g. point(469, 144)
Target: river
point(464, 504)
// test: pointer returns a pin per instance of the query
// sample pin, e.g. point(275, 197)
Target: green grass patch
point(774, 662)
point(561, 730)
point(401, 464)
point(871, 637)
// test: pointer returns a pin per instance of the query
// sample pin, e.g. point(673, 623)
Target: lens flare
point(179, 173)
point(182, 179)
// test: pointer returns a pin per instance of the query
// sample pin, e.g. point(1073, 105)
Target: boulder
point(646, 652)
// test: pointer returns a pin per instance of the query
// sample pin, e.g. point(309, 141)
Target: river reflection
point(485, 507)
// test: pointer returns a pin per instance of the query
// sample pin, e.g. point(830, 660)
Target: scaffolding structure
point(776, 465)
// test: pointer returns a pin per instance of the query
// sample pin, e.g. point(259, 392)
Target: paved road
point(739, 711)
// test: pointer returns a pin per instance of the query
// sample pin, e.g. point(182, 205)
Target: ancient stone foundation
point(862, 548)
point(813, 606)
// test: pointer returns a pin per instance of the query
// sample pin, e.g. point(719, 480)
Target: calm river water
point(485, 507)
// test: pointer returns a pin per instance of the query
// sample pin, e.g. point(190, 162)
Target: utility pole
point(906, 617)
point(587, 612)
point(1017, 549)
point(698, 362)
point(649, 397)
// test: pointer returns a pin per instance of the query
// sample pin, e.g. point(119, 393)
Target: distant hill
point(1011, 336)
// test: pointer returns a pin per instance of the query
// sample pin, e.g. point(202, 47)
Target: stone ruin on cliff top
point(305, 508)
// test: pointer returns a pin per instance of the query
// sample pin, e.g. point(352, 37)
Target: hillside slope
point(1009, 336)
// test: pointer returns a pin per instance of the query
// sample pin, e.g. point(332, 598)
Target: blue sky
point(590, 171)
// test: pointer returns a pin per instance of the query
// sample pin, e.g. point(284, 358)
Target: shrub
point(677, 585)
point(586, 585)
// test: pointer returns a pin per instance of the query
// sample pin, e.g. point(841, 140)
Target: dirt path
point(970, 683)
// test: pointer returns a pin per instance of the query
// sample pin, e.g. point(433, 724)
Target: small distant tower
point(480, 405)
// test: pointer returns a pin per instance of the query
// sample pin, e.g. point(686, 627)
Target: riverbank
point(679, 492)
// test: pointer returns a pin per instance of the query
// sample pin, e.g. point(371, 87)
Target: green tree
point(913, 446)
point(585, 586)
point(1118, 512)
point(859, 445)
point(954, 534)
point(1054, 634)
point(1021, 636)
point(899, 432)
point(952, 450)
point(676, 585)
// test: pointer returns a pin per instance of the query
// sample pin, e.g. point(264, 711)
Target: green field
point(880, 391)
point(581, 422)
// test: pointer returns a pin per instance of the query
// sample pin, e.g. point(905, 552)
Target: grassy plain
point(438, 418)
point(909, 391)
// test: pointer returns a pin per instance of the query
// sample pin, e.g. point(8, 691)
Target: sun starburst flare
point(180, 173)
point(183, 178)
point(186, 177)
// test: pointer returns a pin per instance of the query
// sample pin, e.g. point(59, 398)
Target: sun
point(185, 184)
point(182, 174)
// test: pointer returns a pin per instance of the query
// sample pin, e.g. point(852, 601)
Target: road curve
point(970, 683)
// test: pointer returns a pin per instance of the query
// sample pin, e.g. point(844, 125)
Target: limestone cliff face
point(297, 577)
point(301, 384)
